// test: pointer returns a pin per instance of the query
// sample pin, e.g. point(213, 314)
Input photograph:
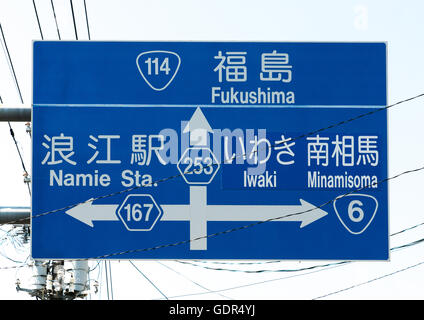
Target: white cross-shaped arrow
point(198, 212)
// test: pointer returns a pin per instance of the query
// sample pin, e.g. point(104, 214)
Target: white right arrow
point(305, 213)
point(198, 213)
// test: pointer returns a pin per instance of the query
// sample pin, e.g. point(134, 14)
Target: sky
point(398, 23)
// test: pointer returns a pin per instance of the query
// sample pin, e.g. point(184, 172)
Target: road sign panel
point(198, 140)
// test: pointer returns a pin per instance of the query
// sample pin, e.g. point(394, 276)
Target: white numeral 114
point(164, 66)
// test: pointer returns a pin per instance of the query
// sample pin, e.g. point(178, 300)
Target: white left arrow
point(88, 212)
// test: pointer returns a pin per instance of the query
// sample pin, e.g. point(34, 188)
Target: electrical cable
point(192, 281)
point(266, 270)
point(38, 20)
point(254, 223)
point(73, 18)
point(298, 269)
point(107, 281)
point(110, 279)
point(323, 128)
point(410, 244)
point(407, 229)
point(407, 245)
point(279, 261)
point(10, 259)
point(20, 156)
point(242, 227)
point(100, 277)
point(237, 228)
point(179, 175)
point(11, 239)
point(330, 266)
point(12, 133)
point(12, 69)
point(54, 15)
point(15, 267)
point(254, 283)
point(95, 267)
point(369, 281)
point(86, 21)
point(148, 279)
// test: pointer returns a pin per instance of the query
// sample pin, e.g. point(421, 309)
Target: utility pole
point(58, 280)
point(51, 279)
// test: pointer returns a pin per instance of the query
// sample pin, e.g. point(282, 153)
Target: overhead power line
point(16, 266)
point(369, 281)
point(154, 183)
point(192, 281)
point(266, 270)
point(55, 19)
point(279, 261)
point(12, 133)
point(244, 155)
point(38, 19)
point(241, 227)
point(319, 266)
point(12, 69)
point(407, 229)
point(228, 230)
point(107, 280)
point(312, 269)
point(110, 279)
point(86, 20)
point(150, 281)
point(73, 19)
point(237, 228)
point(252, 224)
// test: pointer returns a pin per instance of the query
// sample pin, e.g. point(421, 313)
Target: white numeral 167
point(134, 212)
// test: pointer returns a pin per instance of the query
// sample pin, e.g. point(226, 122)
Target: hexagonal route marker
point(139, 212)
point(198, 165)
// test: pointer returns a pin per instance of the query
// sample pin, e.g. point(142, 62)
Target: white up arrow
point(198, 127)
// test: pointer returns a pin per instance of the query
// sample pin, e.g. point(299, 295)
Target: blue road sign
point(209, 150)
